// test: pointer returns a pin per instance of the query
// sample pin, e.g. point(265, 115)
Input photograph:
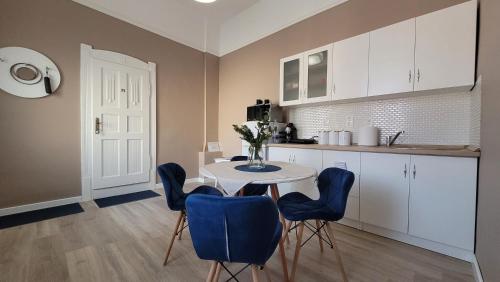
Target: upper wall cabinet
point(291, 80)
point(392, 53)
point(445, 48)
point(350, 67)
point(432, 52)
point(318, 74)
point(306, 77)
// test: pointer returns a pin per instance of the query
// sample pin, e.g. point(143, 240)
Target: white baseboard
point(444, 249)
point(39, 206)
point(477, 270)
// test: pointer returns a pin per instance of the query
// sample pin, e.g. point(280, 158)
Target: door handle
point(405, 171)
point(97, 126)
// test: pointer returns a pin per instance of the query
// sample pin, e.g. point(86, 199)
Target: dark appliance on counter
point(290, 134)
point(257, 111)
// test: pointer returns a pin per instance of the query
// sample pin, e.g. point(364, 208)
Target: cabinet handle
point(409, 76)
point(293, 159)
point(418, 75)
point(414, 171)
point(289, 158)
point(334, 88)
point(405, 171)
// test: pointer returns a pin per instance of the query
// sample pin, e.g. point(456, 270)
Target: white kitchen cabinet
point(350, 67)
point(384, 190)
point(318, 74)
point(443, 200)
point(306, 77)
point(291, 79)
point(445, 48)
point(392, 59)
point(305, 157)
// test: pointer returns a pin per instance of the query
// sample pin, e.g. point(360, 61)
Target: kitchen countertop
point(410, 149)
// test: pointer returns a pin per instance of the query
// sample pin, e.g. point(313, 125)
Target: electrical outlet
point(349, 122)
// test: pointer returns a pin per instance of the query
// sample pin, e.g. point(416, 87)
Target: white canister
point(323, 137)
point(333, 138)
point(368, 136)
point(345, 138)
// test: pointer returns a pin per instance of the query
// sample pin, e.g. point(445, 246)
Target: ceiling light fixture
point(205, 1)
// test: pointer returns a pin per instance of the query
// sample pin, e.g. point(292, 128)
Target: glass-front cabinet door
point(291, 89)
point(318, 74)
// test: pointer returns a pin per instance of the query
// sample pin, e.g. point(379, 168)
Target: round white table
point(232, 182)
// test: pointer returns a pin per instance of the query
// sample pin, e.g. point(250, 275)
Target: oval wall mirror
point(23, 72)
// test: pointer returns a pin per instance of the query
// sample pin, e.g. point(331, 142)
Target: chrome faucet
point(389, 140)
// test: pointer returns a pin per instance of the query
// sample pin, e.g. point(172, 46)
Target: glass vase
point(254, 158)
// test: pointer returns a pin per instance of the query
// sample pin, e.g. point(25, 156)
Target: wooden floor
point(127, 243)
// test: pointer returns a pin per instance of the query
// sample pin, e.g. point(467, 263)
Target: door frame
point(87, 53)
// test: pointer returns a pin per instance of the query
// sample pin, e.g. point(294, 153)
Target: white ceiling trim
point(229, 40)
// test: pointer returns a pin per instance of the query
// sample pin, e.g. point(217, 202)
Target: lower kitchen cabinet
point(443, 200)
point(384, 190)
point(305, 157)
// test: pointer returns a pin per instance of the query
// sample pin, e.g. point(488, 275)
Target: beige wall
point(253, 71)
point(488, 212)
point(40, 138)
point(212, 98)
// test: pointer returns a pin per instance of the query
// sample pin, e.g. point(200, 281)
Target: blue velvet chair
point(334, 185)
point(234, 230)
point(173, 176)
point(251, 189)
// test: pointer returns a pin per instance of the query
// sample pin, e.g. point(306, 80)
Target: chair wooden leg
point(318, 225)
point(287, 230)
point(337, 252)
point(268, 276)
point(173, 237)
point(211, 273)
point(297, 250)
point(217, 272)
point(276, 195)
point(255, 273)
point(183, 221)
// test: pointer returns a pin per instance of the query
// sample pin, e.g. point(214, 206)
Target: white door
point(392, 58)
point(446, 47)
point(443, 200)
point(318, 74)
point(384, 190)
point(350, 67)
point(121, 112)
point(291, 80)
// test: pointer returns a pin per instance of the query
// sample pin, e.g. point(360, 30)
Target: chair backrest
point(233, 229)
point(172, 176)
point(239, 158)
point(334, 185)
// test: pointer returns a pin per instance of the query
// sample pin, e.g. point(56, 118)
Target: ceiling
point(220, 27)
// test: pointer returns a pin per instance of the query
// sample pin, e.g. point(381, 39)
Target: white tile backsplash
point(447, 119)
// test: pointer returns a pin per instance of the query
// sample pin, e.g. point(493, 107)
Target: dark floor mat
point(122, 199)
point(39, 215)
